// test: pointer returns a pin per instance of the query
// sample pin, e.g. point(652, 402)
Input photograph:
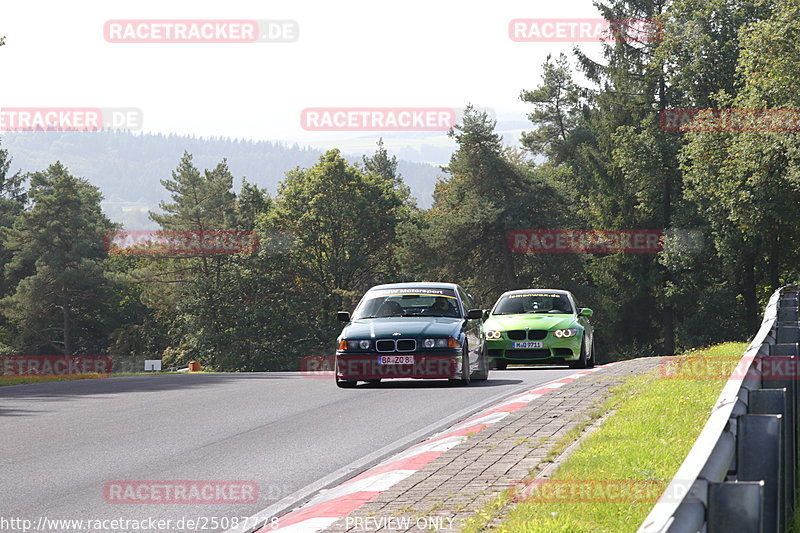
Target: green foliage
point(490, 191)
point(596, 157)
point(746, 184)
point(59, 302)
point(558, 116)
point(341, 220)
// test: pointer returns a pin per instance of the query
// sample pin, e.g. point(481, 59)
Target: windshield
point(408, 302)
point(549, 303)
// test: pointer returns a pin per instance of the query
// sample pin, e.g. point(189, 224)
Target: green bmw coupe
point(539, 326)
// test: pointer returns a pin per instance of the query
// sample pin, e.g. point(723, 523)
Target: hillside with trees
point(596, 156)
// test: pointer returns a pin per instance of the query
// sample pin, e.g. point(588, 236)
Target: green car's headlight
point(563, 333)
point(492, 334)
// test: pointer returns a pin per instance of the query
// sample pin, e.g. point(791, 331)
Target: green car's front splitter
point(548, 350)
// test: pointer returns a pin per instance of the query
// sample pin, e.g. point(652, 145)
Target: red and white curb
point(335, 503)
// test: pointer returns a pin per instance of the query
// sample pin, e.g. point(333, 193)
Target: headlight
point(439, 343)
point(563, 333)
point(493, 334)
point(358, 345)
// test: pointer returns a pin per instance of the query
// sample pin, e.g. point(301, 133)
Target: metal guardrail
point(740, 474)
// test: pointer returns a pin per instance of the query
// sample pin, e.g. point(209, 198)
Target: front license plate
point(528, 345)
point(395, 359)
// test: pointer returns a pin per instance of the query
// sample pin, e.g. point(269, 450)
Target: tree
point(747, 183)
point(57, 253)
point(12, 202)
point(491, 191)
point(559, 112)
point(193, 289)
point(381, 164)
point(341, 220)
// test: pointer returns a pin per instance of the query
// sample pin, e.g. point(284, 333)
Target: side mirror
point(486, 314)
point(585, 311)
point(343, 316)
point(474, 314)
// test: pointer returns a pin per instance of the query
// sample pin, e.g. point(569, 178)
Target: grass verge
point(22, 380)
point(611, 481)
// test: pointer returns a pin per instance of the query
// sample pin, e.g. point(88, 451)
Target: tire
point(581, 362)
point(346, 384)
point(590, 362)
point(500, 364)
point(464, 380)
point(483, 368)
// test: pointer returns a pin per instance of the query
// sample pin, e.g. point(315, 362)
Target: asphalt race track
point(288, 433)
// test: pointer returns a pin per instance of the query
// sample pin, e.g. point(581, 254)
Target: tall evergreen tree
point(59, 303)
point(490, 192)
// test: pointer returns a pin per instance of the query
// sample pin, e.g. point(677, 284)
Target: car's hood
point(528, 321)
point(407, 327)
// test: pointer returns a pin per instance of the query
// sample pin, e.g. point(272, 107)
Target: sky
point(349, 53)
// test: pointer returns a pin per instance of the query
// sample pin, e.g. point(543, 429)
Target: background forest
point(596, 156)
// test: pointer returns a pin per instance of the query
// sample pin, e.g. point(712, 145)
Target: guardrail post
point(774, 402)
point(759, 457)
point(788, 314)
point(782, 372)
point(792, 375)
point(787, 334)
point(735, 506)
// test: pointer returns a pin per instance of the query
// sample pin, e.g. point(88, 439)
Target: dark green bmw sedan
point(412, 330)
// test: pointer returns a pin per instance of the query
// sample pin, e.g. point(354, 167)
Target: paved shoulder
point(460, 481)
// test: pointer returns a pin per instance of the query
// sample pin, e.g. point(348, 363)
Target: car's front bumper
point(553, 349)
point(364, 366)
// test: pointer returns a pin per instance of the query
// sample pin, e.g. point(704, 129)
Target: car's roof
point(524, 291)
point(417, 284)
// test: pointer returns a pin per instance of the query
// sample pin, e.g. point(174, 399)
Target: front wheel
point(346, 384)
point(581, 362)
point(464, 379)
point(483, 368)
